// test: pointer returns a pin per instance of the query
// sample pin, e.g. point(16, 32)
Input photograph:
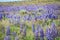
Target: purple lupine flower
point(18, 19)
point(16, 38)
point(29, 18)
point(21, 7)
point(1, 8)
point(49, 34)
point(8, 31)
point(38, 26)
point(54, 29)
point(52, 16)
point(39, 17)
point(42, 16)
point(15, 8)
point(30, 7)
point(1, 16)
point(7, 38)
point(36, 35)
point(41, 34)
point(51, 12)
point(33, 16)
point(53, 25)
point(8, 16)
point(21, 28)
point(36, 18)
point(25, 17)
point(50, 8)
point(33, 28)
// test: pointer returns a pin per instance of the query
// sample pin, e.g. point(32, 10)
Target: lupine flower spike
point(41, 34)
point(7, 37)
point(33, 28)
point(8, 31)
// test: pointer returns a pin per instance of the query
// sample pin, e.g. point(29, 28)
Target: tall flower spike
point(7, 38)
point(38, 26)
point(1, 16)
point(29, 17)
point(21, 28)
point(53, 25)
point(41, 34)
point(36, 35)
point(33, 28)
point(25, 17)
point(50, 34)
point(54, 29)
point(8, 31)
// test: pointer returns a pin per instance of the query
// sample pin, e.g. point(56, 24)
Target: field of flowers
point(30, 23)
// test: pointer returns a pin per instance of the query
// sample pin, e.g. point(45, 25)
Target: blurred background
point(29, 20)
